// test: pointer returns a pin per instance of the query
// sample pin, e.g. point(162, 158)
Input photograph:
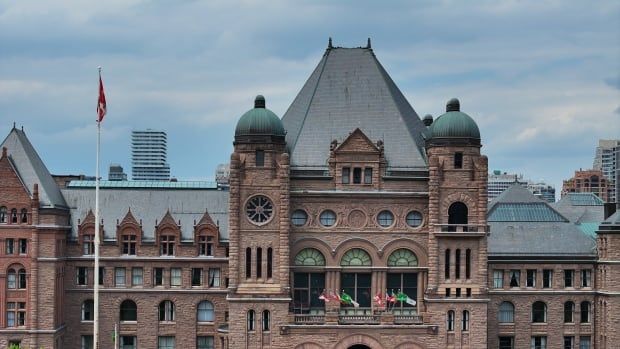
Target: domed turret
point(454, 127)
point(259, 124)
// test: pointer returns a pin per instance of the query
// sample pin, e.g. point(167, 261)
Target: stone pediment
point(357, 142)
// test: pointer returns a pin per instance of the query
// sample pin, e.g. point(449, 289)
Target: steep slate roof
point(31, 169)
point(150, 206)
point(524, 225)
point(350, 89)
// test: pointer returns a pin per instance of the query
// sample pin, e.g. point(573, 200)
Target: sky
point(541, 78)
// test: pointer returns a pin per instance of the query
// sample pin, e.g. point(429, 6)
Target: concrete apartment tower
point(149, 155)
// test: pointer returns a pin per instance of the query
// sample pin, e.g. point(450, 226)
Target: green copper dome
point(259, 121)
point(454, 123)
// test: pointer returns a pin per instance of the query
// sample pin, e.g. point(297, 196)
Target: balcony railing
point(350, 316)
point(462, 228)
point(309, 319)
point(408, 319)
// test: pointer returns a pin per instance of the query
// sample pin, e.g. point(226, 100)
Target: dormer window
point(24, 215)
point(129, 244)
point(205, 245)
point(260, 158)
point(3, 218)
point(167, 245)
point(14, 215)
point(458, 160)
point(368, 175)
point(346, 175)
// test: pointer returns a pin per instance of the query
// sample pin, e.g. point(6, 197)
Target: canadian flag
point(101, 106)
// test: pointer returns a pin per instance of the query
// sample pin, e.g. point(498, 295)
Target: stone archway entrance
point(359, 346)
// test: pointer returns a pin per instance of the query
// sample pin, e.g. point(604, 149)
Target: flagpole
point(96, 271)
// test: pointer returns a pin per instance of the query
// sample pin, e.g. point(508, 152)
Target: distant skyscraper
point(148, 155)
point(605, 161)
point(587, 181)
point(222, 174)
point(116, 173)
point(498, 182)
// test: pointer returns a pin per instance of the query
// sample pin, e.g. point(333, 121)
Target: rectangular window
point(498, 279)
point(167, 245)
point(214, 277)
point(458, 160)
point(87, 342)
point(368, 175)
point(88, 244)
point(515, 278)
point(196, 276)
point(205, 342)
point(569, 276)
point(21, 314)
point(547, 278)
point(448, 292)
point(346, 174)
point(10, 246)
point(357, 175)
point(260, 158)
point(458, 292)
point(569, 342)
point(468, 263)
point(119, 277)
point(539, 342)
point(158, 276)
point(468, 292)
point(129, 245)
point(205, 246)
point(407, 283)
point(506, 342)
point(357, 285)
point(457, 264)
point(306, 290)
point(175, 276)
point(584, 342)
point(137, 276)
point(101, 275)
point(586, 278)
point(128, 342)
point(10, 314)
point(531, 278)
point(81, 276)
point(165, 342)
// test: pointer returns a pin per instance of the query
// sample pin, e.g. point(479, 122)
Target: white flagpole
point(96, 271)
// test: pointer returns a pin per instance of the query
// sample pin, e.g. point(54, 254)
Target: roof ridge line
point(318, 80)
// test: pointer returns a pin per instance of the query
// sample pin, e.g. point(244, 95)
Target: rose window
point(259, 209)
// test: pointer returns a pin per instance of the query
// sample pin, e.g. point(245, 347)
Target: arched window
point(21, 279)
point(128, 311)
point(465, 321)
point(24, 216)
point(402, 258)
point(450, 321)
point(539, 312)
point(569, 310)
point(14, 215)
point(309, 257)
point(457, 214)
point(166, 311)
point(266, 320)
point(447, 264)
point(259, 262)
point(585, 312)
point(248, 263)
point(87, 310)
point(355, 257)
point(506, 313)
point(205, 312)
point(3, 218)
point(251, 320)
point(269, 263)
point(11, 279)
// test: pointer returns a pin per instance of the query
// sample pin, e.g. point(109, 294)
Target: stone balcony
point(359, 316)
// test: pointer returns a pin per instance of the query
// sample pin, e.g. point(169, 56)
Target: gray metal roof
point(31, 169)
point(150, 206)
point(350, 89)
point(517, 204)
point(581, 208)
point(144, 184)
point(539, 239)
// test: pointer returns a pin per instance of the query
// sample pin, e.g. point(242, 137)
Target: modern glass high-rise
point(605, 160)
point(149, 155)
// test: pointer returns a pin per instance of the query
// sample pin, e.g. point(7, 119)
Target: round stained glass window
point(385, 218)
point(259, 209)
point(328, 218)
point(299, 218)
point(414, 219)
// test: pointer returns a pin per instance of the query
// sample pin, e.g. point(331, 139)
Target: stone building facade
point(350, 223)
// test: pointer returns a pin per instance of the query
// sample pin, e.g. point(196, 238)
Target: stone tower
point(607, 307)
point(259, 292)
point(457, 232)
